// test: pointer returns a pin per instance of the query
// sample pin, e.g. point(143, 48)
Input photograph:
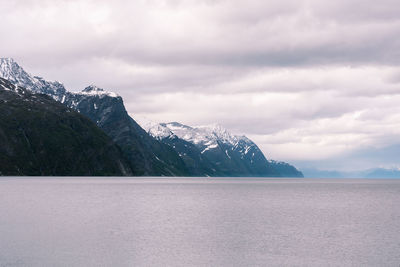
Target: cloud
point(255, 33)
point(305, 79)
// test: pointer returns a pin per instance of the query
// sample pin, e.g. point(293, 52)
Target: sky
point(314, 83)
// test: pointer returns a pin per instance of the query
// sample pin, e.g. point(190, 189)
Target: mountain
point(317, 173)
point(213, 151)
point(285, 169)
point(39, 136)
point(369, 173)
point(170, 149)
point(11, 71)
point(147, 156)
point(382, 173)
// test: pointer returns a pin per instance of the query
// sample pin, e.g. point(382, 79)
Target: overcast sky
point(315, 83)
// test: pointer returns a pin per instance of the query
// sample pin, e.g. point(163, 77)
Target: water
point(199, 222)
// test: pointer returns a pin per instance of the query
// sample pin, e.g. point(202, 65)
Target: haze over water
point(199, 222)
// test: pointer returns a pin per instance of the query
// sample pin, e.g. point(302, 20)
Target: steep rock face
point(213, 151)
point(148, 156)
point(39, 136)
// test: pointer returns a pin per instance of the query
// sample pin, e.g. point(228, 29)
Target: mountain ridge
point(213, 150)
point(217, 150)
point(368, 173)
point(40, 136)
point(106, 109)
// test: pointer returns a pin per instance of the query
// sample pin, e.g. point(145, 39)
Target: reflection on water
point(199, 222)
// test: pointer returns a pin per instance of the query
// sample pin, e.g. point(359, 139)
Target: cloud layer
point(312, 82)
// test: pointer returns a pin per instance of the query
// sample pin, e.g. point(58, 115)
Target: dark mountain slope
point(147, 155)
point(39, 136)
point(197, 164)
point(285, 169)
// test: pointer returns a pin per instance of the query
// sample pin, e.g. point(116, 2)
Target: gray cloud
point(273, 33)
point(302, 78)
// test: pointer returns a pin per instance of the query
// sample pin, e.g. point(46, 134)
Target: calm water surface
point(199, 222)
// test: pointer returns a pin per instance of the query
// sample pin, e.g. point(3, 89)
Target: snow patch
point(226, 152)
point(93, 90)
point(204, 137)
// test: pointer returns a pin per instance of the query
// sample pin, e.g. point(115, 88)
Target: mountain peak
point(214, 128)
point(10, 70)
point(207, 136)
point(4, 60)
point(8, 67)
point(176, 125)
point(222, 133)
point(94, 90)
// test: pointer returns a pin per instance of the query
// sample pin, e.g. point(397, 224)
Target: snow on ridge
point(223, 135)
point(206, 137)
point(54, 82)
point(5, 63)
point(3, 85)
point(156, 130)
point(160, 132)
point(191, 134)
point(10, 70)
point(94, 90)
point(219, 132)
point(144, 122)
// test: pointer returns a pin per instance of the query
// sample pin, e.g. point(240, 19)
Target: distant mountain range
point(370, 173)
point(166, 149)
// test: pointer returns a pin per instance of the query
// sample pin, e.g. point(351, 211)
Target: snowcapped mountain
point(171, 149)
point(212, 150)
point(147, 155)
point(11, 71)
point(40, 136)
point(93, 90)
point(205, 137)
